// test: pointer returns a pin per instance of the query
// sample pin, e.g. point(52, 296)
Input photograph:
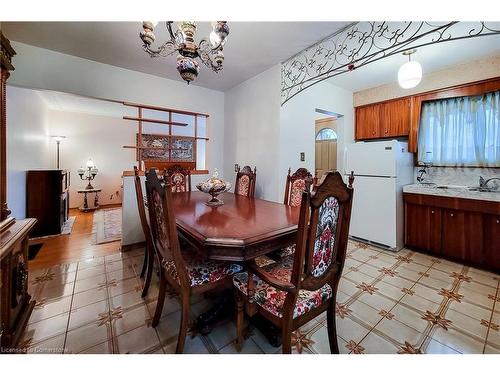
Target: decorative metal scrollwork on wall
point(362, 43)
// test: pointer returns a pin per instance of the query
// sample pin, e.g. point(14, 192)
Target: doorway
point(326, 137)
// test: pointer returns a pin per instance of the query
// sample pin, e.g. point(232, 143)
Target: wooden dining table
point(242, 228)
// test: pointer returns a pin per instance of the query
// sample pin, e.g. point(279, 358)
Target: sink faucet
point(483, 184)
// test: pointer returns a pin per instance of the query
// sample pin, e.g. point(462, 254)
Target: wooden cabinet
point(47, 200)
point(460, 229)
point(368, 122)
point(383, 120)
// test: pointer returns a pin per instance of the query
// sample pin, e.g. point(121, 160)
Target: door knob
point(451, 215)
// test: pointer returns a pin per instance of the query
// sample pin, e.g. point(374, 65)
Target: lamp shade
point(410, 74)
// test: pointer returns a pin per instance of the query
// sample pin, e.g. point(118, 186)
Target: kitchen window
point(463, 131)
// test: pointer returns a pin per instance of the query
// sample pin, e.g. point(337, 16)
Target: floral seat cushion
point(203, 271)
point(273, 299)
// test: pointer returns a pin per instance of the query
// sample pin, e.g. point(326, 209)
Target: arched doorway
point(325, 146)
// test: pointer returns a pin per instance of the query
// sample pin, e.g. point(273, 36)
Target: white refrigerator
point(381, 169)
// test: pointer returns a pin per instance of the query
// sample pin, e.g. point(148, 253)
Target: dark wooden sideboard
point(47, 200)
point(465, 230)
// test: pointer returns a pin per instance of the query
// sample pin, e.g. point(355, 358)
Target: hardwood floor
point(73, 247)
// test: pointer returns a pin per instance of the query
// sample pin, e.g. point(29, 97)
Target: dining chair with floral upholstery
point(179, 178)
point(245, 181)
point(184, 270)
point(297, 288)
point(295, 184)
point(147, 265)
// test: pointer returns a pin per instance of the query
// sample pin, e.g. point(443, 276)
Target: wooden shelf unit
point(140, 120)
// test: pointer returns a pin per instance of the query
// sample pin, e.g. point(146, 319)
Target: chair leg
point(332, 328)
point(239, 322)
point(147, 282)
point(161, 300)
point(145, 262)
point(286, 337)
point(184, 325)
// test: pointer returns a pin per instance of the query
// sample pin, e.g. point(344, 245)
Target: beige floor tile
point(466, 324)
point(435, 283)
point(88, 314)
point(422, 259)
point(191, 346)
point(121, 274)
point(320, 343)
point(169, 306)
point(86, 337)
point(102, 348)
point(249, 347)
point(478, 288)
point(49, 309)
point(347, 287)
point(427, 293)
point(448, 266)
point(114, 257)
point(399, 282)
point(381, 261)
point(419, 303)
point(369, 270)
point(374, 344)
point(46, 328)
point(54, 345)
point(475, 298)
point(123, 286)
point(414, 266)
point(90, 272)
point(440, 275)
point(261, 340)
point(458, 341)
point(63, 268)
point(363, 312)
point(435, 347)
point(389, 290)
point(475, 311)
point(223, 335)
point(125, 300)
point(131, 319)
point(349, 330)
point(398, 331)
point(377, 301)
point(56, 281)
point(89, 297)
point(91, 262)
point(409, 317)
point(483, 277)
point(491, 350)
point(91, 283)
point(139, 340)
point(408, 274)
point(168, 326)
point(494, 332)
point(359, 277)
point(56, 292)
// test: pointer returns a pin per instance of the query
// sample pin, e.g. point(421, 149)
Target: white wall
point(28, 143)
point(252, 130)
point(44, 69)
point(297, 126)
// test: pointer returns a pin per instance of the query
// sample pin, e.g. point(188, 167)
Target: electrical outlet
point(302, 156)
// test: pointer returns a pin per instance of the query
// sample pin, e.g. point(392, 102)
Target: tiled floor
point(387, 303)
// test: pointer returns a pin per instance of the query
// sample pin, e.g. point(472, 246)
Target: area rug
point(68, 225)
point(107, 226)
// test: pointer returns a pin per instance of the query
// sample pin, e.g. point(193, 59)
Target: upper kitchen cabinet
point(383, 120)
point(368, 122)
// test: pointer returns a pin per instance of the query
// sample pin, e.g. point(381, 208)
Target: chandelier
point(182, 42)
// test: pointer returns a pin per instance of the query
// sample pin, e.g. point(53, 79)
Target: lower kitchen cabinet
point(460, 229)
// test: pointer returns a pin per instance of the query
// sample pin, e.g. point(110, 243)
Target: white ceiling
point(252, 47)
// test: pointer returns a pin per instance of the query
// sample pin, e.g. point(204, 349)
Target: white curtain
point(461, 131)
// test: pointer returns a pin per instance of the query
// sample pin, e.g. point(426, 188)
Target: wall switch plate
point(236, 168)
point(302, 156)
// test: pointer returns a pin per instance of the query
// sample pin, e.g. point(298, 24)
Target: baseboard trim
point(133, 246)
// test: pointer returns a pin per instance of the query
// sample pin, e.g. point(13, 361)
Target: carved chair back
point(323, 233)
point(245, 181)
point(141, 206)
point(179, 178)
point(163, 226)
point(301, 180)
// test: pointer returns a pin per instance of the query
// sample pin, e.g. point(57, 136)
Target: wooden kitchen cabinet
point(383, 120)
point(368, 122)
point(464, 230)
point(395, 118)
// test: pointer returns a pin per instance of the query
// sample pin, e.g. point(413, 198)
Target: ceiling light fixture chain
point(367, 42)
point(182, 41)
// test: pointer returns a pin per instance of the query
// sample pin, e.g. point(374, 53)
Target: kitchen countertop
point(452, 191)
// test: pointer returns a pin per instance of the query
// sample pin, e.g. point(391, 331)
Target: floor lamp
point(58, 139)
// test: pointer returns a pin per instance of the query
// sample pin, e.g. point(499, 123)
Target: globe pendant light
point(410, 73)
